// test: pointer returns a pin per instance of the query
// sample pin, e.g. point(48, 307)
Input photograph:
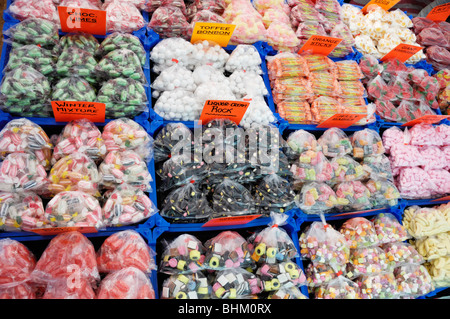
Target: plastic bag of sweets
point(247, 83)
point(34, 31)
point(209, 53)
point(21, 172)
point(433, 158)
point(348, 70)
point(22, 10)
point(378, 286)
point(76, 61)
point(171, 78)
point(120, 63)
point(282, 37)
point(303, 12)
point(275, 14)
point(183, 105)
point(73, 88)
point(40, 59)
point(276, 276)
point(302, 140)
point(294, 88)
point(389, 229)
point(79, 136)
point(22, 89)
point(325, 84)
point(126, 283)
point(123, 97)
point(169, 22)
point(388, 111)
point(59, 258)
point(23, 136)
point(377, 167)
point(335, 142)
point(359, 232)
point(422, 222)
point(226, 250)
point(19, 291)
point(235, 283)
point(352, 195)
point(183, 255)
point(433, 247)
point(126, 205)
point(413, 280)
point(392, 136)
point(231, 198)
point(88, 4)
point(438, 57)
point(76, 172)
point(123, 17)
point(309, 28)
point(17, 263)
point(383, 193)
point(73, 209)
point(84, 41)
point(119, 40)
point(172, 51)
point(186, 286)
point(324, 245)
point(249, 29)
point(338, 288)
point(345, 47)
point(366, 142)
point(437, 269)
point(424, 135)
point(66, 289)
point(323, 107)
point(286, 65)
point(287, 293)
point(126, 248)
point(24, 211)
point(432, 36)
point(124, 134)
point(244, 57)
point(440, 182)
point(401, 253)
point(319, 274)
point(315, 198)
point(346, 169)
point(443, 130)
point(312, 167)
point(274, 194)
point(443, 77)
point(124, 167)
point(377, 88)
point(171, 140)
point(318, 62)
point(367, 261)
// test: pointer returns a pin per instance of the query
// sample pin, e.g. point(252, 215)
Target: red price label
point(341, 120)
point(402, 52)
point(217, 109)
point(427, 119)
point(385, 4)
point(59, 230)
point(66, 111)
point(319, 44)
point(446, 198)
point(233, 220)
point(82, 20)
point(439, 13)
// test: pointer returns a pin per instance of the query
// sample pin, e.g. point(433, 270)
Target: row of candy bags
point(71, 267)
point(91, 178)
point(44, 67)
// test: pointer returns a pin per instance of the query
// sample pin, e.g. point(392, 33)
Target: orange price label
point(59, 230)
point(66, 111)
point(427, 119)
point(360, 212)
point(439, 13)
point(341, 120)
point(82, 20)
point(219, 33)
point(446, 198)
point(385, 4)
point(402, 52)
point(319, 44)
point(233, 220)
point(216, 109)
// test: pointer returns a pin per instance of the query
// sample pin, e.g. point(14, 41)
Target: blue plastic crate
point(166, 234)
point(51, 127)
point(37, 243)
point(154, 39)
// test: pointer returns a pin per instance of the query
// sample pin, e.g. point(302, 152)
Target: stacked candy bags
point(400, 93)
point(377, 31)
point(337, 172)
point(418, 160)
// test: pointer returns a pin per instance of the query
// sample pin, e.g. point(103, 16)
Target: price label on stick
point(402, 52)
point(66, 111)
point(341, 120)
point(427, 119)
point(439, 13)
point(319, 44)
point(385, 4)
point(216, 109)
point(82, 20)
point(219, 33)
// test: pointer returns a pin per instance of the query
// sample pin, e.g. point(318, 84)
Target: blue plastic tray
point(163, 234)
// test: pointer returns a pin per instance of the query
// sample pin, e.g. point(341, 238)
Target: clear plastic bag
point(231, 198)
point(378, 286)
point(315, 198)
point(123, 17)
point(383, 193)
point(21, 212)
point(301, 140)
point(377, 167)
point(359, 232)
point(66, 254)
point(235, 283)
point(66, 289)
point(42, 9)
point(180, 170)
point(17, 263)
point(182, 105)
point(34, 31)
point(352, 195)
point(366, 142)
point(169, 21)
point(76, 61)
point(273, 244)
point(172, 78)
point(287, 293)
point(413, 280)
point(126, 248)
point(119, 40)
point(335, 142)
point(244, 57)
point(192, 286)
point(281, 275)
point(172, 51)
point(38, 58)
point(421, 222)
point(209, 53)
point(84, 41)
point(169, 142)
point(73, 88)
point(433, 247)
point(183, 255)
point(367, 261)
point(401, 253)
point(274, 194)
point(338, 288)
point(312, 167)
point(120, 63)
point(227, 250)
point(126, 283)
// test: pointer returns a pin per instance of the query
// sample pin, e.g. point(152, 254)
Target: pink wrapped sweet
point(44, 9)
point(215, 6)
point(414, 182)
point(281, 36)
point(169, 22)
point(122, 17)
point(309, 28)
point(443, 130)
point(443, 77)
point(17, 262)
point(424, 134)
point(263, 5)
point(249, 29)
point(440, 181)
point(237, 8)
point(207, 16)
point(433, 158)
point(391, 137)
point(406, 156)
point(305, 11)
